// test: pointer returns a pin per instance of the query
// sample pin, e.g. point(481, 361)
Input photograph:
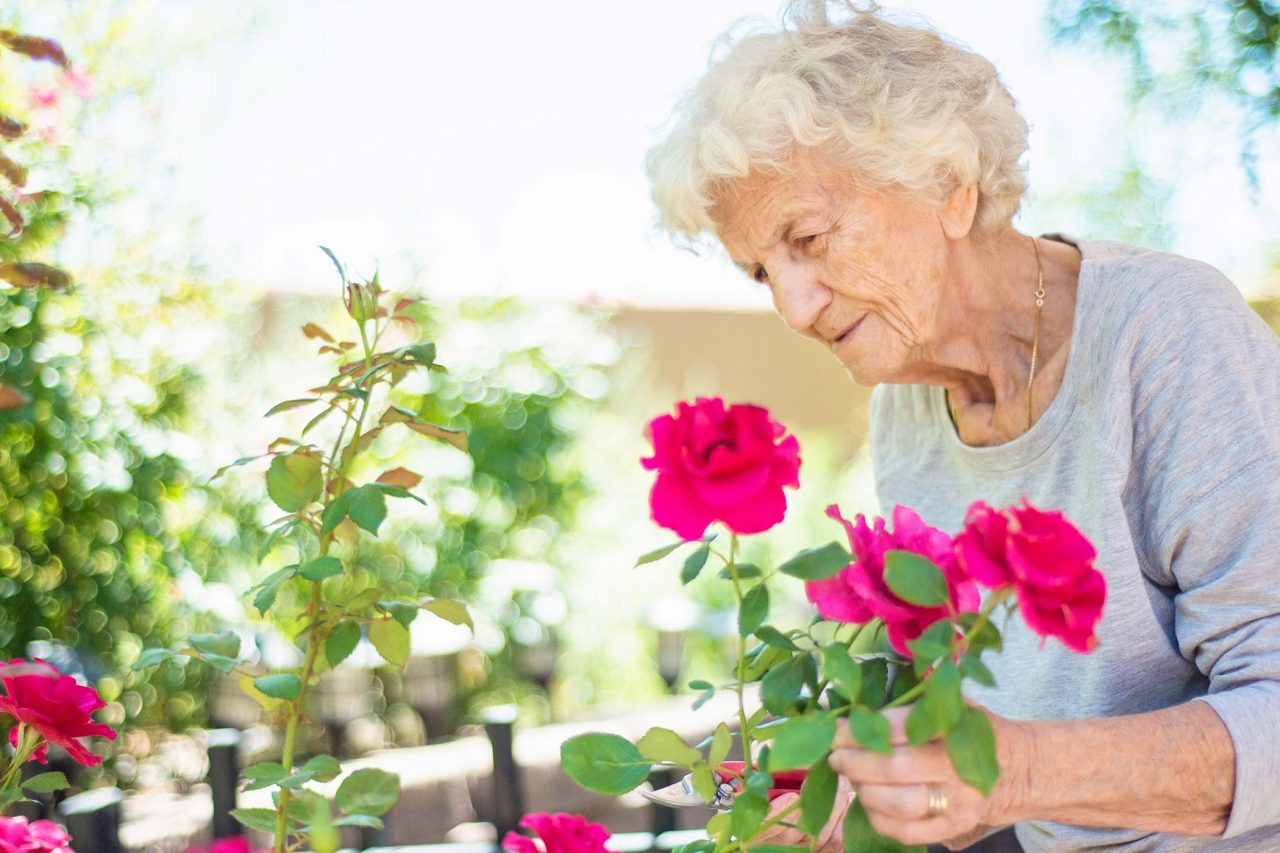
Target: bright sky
point(497, 147)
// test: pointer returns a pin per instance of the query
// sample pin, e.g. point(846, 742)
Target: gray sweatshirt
point(1163, 446)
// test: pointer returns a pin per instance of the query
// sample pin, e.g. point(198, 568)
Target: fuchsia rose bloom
point(53, 704)
point(560, 833)
point(858, 592)
point(717, 464)
point(1047, 561)
point(42, 836)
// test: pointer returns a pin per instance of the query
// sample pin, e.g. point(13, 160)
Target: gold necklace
point(1035, 339)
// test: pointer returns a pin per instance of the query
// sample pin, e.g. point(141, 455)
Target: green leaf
point(263, 820)
point(283, 686)
point(800, 741)
point(840, 670)
point(275, 538)
point(604, 763)
point(46, 783)
point(777, 848)
point(333, 513)
point(781, 686)
point(754, 609)
point(704, 698)
point(771, 636)
point(932, 645)
point(290, 404)
point(721, 742)
point(294, 480)
point(972, 747)
point(920, 728)
point(361, 820)
point(341, 642)
point(815, 564)
point(322, 835)
point(942, 700)
point(391, 639)
point(450, 611)
point(870, 729)
point(744, 571)
point(270, 588)
point(693, 564)
point(424, 354)
point(321, 568)
point(367, 507)
point(747, 813)
point(875, 682)
point(859, 835)
point(915, 579)
point(152, 657)
point(9, 796)
point(322, 768)
point(701, 845)
point(986, 637)
point(704, 782)
point(659, 745)
point(658, 553)
point(224, 644)
point(264, 775)
point(342, 273)
point(403, 612)
point(972, 667)
point(817, 797)
point(369, 791)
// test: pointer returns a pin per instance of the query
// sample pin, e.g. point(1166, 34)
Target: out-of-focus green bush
point(99, 517)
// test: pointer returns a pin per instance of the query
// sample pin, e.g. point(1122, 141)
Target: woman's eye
point(807, 240)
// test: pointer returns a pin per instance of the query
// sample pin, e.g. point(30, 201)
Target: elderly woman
point(867, 174)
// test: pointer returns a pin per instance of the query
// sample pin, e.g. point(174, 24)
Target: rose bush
point(720, 464)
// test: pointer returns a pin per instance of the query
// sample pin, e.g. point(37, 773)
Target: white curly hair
point(899, 108)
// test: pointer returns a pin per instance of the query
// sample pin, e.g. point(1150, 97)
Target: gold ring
point(937, 801)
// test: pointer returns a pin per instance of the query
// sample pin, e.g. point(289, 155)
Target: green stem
point(984, 616)
point(740, 685)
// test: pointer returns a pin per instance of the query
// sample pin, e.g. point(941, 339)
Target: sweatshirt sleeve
point(1206, 381)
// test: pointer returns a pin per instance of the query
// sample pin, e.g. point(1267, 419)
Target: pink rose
point(42, 836)
point(55, 705)
point(560, 833)
point(721, 465)
point(859, 592)
point(1047, 561)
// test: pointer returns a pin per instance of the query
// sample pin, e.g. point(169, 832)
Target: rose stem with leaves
point(740, 681)
point(316, 630)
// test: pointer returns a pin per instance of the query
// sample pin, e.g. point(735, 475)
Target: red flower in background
point(1047, 561)
point(560, 833)
point(716, 464)
point(858, 592)
point(55, 705)
point(42, 836)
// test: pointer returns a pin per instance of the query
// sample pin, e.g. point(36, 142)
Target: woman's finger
point(779, 834)
point(906, 765)
point(904, 802)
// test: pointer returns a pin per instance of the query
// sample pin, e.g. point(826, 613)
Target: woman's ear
point(957, 214)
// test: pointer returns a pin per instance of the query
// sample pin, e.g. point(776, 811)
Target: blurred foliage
point(1180, 52)
point(100, 513)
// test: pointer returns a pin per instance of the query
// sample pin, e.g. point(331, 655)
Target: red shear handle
point(784, 781)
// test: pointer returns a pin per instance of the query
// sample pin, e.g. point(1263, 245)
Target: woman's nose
point(798, 295)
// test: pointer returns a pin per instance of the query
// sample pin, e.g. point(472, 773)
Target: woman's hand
point(914, 794)
point(828, 840)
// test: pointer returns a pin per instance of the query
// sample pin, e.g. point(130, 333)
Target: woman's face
point(861, 273)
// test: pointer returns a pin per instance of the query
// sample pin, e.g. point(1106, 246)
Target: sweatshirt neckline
point(1029, 446)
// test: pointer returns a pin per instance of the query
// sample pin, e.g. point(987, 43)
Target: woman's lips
point(848, 333)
